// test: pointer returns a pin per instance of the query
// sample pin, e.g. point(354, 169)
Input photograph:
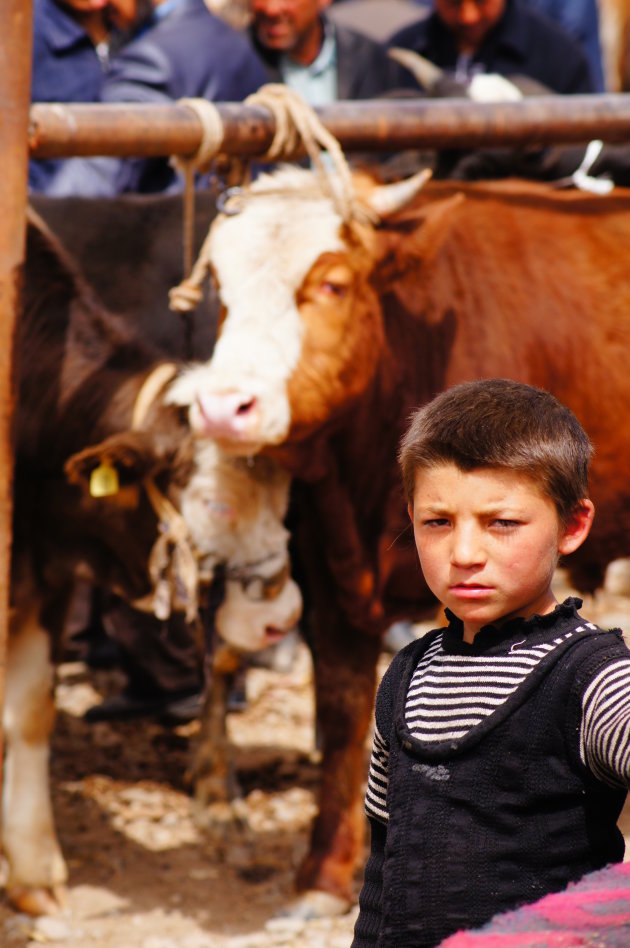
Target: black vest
point(475, 829)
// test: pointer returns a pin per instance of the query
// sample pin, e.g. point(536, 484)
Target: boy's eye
point(435, 522)
point(506, 524)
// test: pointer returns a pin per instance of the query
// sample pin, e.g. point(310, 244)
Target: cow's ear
point(411, 245)
point(436, 219)
point(426, 228)
point(121, 462)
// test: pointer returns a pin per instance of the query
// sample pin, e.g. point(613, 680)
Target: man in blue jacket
point(72, 41)
point(185, 51)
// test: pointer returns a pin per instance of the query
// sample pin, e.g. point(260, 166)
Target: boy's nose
point(467, 549)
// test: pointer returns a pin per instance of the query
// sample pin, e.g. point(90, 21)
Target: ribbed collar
point(496, 640)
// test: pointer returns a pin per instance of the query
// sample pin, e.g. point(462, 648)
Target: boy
point(501, 753)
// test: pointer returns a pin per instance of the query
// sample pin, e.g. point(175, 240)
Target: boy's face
point(489, 541)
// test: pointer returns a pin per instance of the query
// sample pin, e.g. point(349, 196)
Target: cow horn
point(426, 73)
point(386, 199)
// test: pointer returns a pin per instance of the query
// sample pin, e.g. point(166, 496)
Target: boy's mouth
point(469, 590)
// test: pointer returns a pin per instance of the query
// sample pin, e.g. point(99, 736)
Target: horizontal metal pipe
point(135, 130)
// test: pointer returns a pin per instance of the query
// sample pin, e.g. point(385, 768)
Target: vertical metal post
point(16, 45)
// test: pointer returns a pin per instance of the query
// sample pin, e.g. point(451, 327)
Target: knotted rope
point(297, 124)
point(172, 566)
point(188, 294)
point(298, 129)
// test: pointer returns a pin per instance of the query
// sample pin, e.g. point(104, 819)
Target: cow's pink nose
point(228, 413)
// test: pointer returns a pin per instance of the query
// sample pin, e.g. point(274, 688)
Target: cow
point(111, 487)
point(130, 249)
point(335, 327)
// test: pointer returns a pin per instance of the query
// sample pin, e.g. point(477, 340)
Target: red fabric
point(592, 912)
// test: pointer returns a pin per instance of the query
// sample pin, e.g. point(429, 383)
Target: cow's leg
point(218, 805)
point(213, 768)
point(36, 868)
point(345, 666)
point(346, 619)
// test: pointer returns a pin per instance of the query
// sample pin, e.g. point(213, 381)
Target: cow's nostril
point(224, 408)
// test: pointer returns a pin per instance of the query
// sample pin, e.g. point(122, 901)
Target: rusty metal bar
point(61, 130)
point(15, 93)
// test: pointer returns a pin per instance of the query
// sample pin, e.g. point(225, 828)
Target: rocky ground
point(142, 873)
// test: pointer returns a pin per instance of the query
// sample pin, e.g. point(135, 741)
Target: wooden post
point(15, 94)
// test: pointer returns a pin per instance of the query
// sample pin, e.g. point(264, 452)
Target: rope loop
point(186, 296)
point(211, 136)
point(211, 140)
point(297, 124)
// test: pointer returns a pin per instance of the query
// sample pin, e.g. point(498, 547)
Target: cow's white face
point(302, 329)
point(234, 511)
point(260, 257)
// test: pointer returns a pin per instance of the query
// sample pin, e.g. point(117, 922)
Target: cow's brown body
point(80, 371)
point(508, 280)
point(130, 249)
point(92, 394)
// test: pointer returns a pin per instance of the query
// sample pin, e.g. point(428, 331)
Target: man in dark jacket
point(508, 37)
point(323, 62)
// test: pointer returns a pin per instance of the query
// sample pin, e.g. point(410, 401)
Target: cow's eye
point(329, 288)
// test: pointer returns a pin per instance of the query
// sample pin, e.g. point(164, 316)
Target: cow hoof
point(221, 818)
point(214, 789)
point(38, 900)
point(316, 904)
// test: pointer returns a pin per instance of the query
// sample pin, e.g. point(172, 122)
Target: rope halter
point(298, 130)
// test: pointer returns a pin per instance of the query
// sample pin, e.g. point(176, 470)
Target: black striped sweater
point(453, 688)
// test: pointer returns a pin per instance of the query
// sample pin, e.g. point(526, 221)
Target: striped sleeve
point(376, 793)
point(605, 732)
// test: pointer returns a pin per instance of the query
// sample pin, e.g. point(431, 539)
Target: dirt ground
point(142, 873)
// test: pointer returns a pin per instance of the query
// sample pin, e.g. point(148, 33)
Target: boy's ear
point(577, 527)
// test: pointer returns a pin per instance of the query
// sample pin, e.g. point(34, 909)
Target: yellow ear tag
point(104, 481)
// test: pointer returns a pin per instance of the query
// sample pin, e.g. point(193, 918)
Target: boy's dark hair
point(502, 424)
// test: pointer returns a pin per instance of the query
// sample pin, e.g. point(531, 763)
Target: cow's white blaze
point(234, 510)
point(235, 513)
point(261, 256)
